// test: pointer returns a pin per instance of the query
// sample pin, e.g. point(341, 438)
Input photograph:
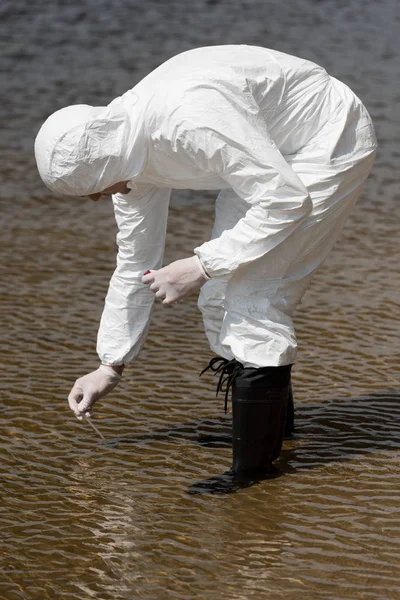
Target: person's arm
point(142, 221)
point(222, 132)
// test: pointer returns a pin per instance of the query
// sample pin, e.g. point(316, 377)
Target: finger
point(160, 295)
point(169, 301)
point(148, 277)
point(74, 398)
point(76, 413)
point(85, 405)
point(172, 296)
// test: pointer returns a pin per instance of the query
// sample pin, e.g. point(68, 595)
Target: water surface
point(81, 519)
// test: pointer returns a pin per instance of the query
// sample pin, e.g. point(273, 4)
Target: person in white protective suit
point(287, 145)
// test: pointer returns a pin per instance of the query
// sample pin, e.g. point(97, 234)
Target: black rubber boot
point(289, 422)
point(259, 401)
point(260, 398)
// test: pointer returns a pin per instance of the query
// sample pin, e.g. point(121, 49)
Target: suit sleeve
point(141, 218)
point(223, 133)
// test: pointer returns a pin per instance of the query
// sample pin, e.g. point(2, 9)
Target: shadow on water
point(332, 431)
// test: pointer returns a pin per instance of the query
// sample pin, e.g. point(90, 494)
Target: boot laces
point(228, 370)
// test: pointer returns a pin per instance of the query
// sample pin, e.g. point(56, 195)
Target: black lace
point(228, 370)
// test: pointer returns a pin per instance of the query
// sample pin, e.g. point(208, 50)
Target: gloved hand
point(178, 279)
point(90, 388)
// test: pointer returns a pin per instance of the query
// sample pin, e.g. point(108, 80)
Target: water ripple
point(82, 519)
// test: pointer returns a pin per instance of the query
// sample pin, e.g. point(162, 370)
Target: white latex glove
point(90, 388)
point(177, 280)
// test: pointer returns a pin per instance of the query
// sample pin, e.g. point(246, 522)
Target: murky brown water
point(80, 519)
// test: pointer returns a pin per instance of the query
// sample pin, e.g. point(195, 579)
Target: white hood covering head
point(83, 149)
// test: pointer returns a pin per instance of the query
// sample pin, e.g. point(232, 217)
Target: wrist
point(118, 369)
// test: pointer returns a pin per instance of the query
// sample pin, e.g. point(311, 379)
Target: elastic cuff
point(206, 275)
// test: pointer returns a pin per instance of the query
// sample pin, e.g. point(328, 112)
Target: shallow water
point(82, 519)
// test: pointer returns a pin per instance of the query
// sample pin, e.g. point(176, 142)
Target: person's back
point(292, 95)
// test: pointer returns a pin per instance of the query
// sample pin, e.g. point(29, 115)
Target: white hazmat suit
point(288, 147)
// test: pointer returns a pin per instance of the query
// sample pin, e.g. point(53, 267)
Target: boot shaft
point(259, 400)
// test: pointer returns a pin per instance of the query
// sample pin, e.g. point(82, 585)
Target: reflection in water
point(83, 519)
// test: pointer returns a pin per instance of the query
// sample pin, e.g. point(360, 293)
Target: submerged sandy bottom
point(82, 519)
